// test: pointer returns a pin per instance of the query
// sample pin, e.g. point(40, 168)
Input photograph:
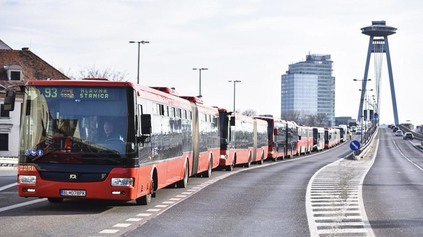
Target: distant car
point(408, 135)
point(395, 129)
point(398, 133)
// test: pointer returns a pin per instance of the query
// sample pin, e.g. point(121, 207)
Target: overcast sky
point(249, 40)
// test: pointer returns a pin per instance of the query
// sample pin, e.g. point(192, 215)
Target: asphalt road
point(264, 200)
point(393, 188)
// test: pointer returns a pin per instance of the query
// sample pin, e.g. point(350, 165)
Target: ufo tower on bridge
point(378, 43)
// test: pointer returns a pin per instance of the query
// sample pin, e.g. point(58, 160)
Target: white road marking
point(108, 231)
point(144, 214)
point(122, 225)
point(22, 204)
point(134, 219)
point(7, 186)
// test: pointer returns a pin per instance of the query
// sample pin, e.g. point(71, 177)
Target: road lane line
point(22, 204)
point(7, 186)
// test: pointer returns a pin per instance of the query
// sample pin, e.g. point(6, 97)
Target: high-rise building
point(308, 89)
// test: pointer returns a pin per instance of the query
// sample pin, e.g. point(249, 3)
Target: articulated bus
point(206, 148)
point(318, 139)
point(260, 141)
point(64, 152)
point(276, 136)
point(332, 137)
point(243, 140)
point(286, 138)
point(305, 140)
point(206, 131)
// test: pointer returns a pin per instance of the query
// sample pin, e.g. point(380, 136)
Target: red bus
point(276, 135)
point(332, 137)
point(318, 139)
point(243, 140)
point(64, 153)
point(206, 137)
point(260, 141)
point(305, 140)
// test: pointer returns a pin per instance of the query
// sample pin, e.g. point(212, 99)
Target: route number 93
point(50, 92)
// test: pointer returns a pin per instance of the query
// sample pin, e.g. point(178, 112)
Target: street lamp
point(235, 81)
point(362, 80)
point(199, 79)
point(366, 114)
point(139, 42)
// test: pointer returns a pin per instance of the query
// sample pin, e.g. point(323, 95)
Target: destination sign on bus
point(83, 93)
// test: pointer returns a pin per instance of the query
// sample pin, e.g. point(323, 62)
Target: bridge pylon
point(378, 43)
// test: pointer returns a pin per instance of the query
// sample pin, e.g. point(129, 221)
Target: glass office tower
point(308, 88)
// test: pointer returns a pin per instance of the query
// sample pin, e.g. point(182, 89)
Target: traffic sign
point(355, 145)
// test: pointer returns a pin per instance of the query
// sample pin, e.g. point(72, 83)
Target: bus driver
point(109, 132)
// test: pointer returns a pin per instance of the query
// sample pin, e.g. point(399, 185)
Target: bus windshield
point(66, 124)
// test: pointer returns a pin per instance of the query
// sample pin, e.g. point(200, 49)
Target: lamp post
point(366, 114)
point(235, 81)
point(199, 79)
point(139, 42)
point(360, 110)
point(363, 86)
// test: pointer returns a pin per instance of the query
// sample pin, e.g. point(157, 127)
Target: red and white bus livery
point(243, 139)
point(65, 153)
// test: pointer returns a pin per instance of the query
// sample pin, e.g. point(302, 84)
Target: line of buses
point(161, 139)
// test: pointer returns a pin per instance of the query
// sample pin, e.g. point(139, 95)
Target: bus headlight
point(27, 179)
point(119, 182)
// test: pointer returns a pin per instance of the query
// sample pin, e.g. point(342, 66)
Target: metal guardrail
point(366, 141)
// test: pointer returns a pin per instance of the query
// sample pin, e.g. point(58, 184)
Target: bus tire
point(144, 200)
point(184, 182)
point(262, 160)
point(232, 166)
point(208, 172)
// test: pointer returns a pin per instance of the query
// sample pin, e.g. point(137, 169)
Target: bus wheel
point(146, 199)
point(248, 164)
point(232, 166)
point(184, 182)
point(55, 200)
point(208, 172)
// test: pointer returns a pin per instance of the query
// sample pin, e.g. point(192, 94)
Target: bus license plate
point(73, 193)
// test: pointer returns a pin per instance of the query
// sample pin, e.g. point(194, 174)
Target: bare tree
point(312, 120)
point(316, 120)
point(291, 116)
point(250, 112)
point(94, 72)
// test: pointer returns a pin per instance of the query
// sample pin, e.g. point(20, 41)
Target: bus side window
point(146, 129)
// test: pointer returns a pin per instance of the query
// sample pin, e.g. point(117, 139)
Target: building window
point(15, 75)
point(14, 72)
point(4, 142)
point(4, 114)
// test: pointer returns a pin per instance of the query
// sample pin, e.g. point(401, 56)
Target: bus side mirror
point(232, 120)
point(146, 124)
point(9, 100)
